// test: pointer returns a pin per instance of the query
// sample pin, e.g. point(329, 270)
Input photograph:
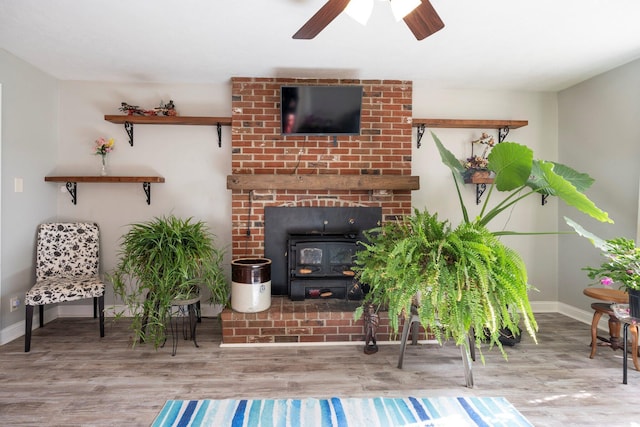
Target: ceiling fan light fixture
point(402, 8)
point(360, 10)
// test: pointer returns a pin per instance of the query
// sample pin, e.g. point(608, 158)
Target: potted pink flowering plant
point(622, 266)
point(103, 147)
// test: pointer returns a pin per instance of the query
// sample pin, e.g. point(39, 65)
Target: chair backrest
point(67, 250)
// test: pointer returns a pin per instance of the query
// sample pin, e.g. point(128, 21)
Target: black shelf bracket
point(72, 188)
point(219, 130)
point(128, 127)
point(420, 133)
point(502, 133)
point(480, 189)
point(544, 199)
point(146, 186)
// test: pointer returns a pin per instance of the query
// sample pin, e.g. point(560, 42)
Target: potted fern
point(163, 260)
point(464, 276)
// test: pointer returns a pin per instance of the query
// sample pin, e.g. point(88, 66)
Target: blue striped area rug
point(337, 412)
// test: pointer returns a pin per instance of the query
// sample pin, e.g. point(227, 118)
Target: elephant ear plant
point(163, 260)
point(464, 278)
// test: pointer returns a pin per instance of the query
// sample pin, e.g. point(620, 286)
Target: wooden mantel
point(323, 182)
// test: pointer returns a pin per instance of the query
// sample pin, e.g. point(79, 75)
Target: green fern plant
point(465, 277)
point(163, 260)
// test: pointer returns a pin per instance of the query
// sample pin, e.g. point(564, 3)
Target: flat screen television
point(320, 110)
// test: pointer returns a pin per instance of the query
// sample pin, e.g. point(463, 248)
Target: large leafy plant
point(520, 175)
point(163, 260)
point(464, 277)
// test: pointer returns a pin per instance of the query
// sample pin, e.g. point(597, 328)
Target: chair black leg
point(28, 321)
point(100, 303)
point(95, 307)
point(41, 311)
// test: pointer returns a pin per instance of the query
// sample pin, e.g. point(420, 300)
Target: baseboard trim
point(16, 330)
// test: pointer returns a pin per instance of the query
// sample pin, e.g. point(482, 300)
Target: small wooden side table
point(610, 296)
point(607, 294)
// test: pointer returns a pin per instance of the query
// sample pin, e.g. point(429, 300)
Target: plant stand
point(468, 354)
point(181, 311)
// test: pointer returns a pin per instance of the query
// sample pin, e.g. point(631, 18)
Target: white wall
point(600, 130)
point(48, 127)
point(29, 145)
point(195, 168)
point(188, 157)
point(438, 194)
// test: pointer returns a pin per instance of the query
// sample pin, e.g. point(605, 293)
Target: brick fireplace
point(271, 170)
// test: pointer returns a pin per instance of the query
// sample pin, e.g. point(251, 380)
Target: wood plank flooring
point(72, 378)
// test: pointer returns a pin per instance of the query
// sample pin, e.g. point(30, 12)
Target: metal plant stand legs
point(468, 353)
point(186, 312)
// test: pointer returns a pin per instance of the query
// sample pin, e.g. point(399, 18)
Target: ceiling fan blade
point(423, 20)
point(321, 19)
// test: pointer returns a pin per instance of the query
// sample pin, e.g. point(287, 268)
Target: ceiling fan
point(422, 21)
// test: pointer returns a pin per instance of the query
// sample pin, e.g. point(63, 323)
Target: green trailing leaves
point(465, 278)
point(163, 260)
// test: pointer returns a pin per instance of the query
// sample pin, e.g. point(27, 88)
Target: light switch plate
point(17, 185)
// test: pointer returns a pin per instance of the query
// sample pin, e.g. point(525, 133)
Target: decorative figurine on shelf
point(476, 165)
point(168, 109)
point(102, 148)
point(130, 110)
point(371, 321)
point(479, 162)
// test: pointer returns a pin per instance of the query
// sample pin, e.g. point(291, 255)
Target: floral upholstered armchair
point(67, 269)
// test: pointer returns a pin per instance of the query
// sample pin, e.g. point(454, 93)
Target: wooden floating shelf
point(323, 182)
point(479, 178)
point(129, 121)
point(470, 124)
point(169, 120)
point(97, 178)
point(71, 182)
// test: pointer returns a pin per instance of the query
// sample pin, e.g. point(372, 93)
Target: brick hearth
point(309, 321)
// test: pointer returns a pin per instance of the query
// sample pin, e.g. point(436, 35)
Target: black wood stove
point(312, 249)
point(320, 266)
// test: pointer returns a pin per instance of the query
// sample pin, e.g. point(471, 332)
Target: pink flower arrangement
point(104, 146)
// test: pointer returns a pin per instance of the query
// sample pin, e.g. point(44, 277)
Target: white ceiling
point(539, 45)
